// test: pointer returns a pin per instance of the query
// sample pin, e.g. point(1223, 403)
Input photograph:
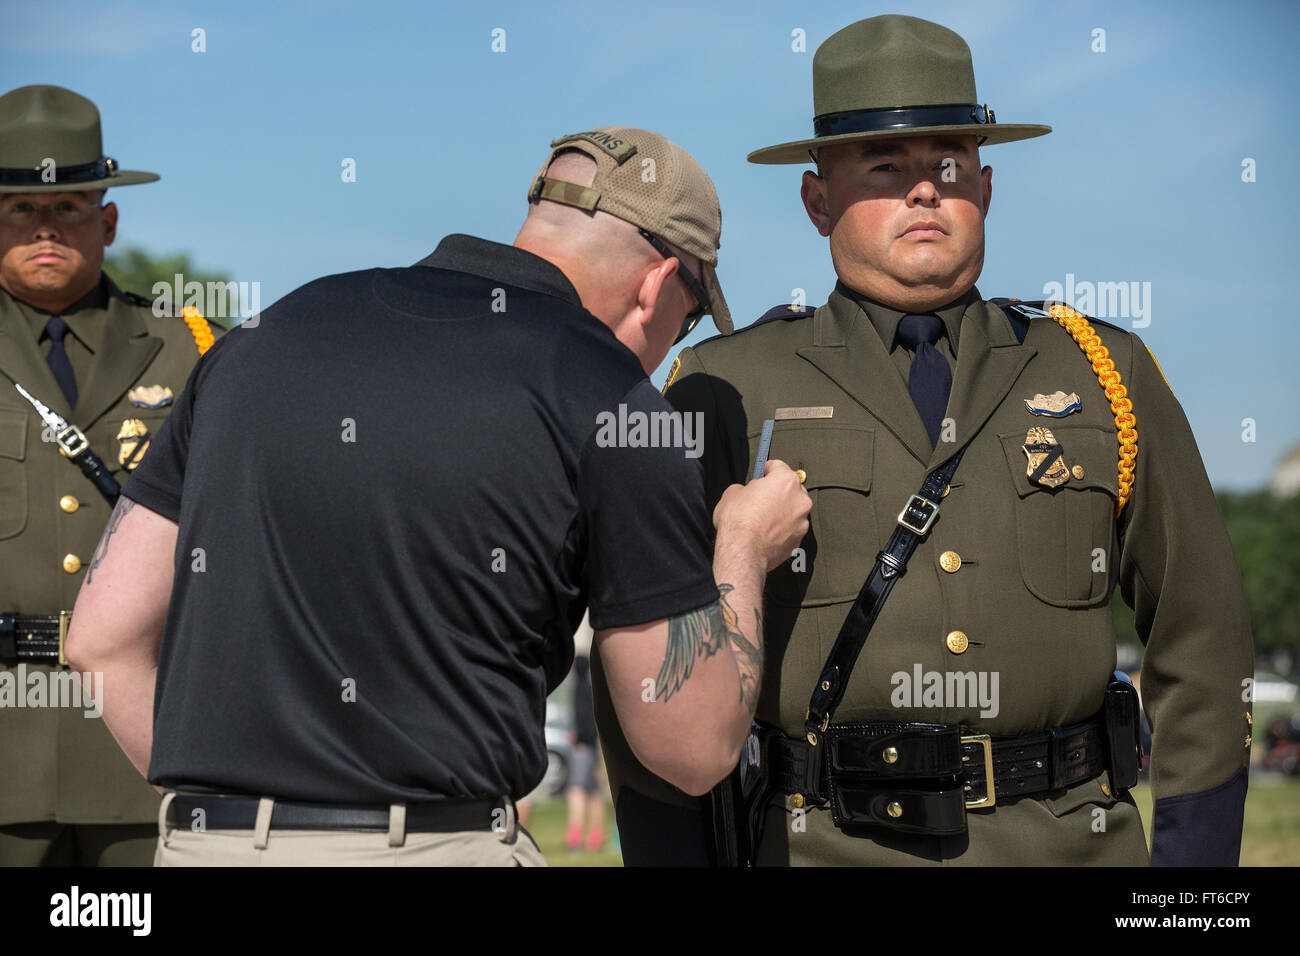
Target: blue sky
point(1141, 180)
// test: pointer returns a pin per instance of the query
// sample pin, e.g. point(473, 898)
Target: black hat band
point(85, 173)
point(901, 118)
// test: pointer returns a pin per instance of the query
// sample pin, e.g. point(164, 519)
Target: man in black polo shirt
point(379, 514)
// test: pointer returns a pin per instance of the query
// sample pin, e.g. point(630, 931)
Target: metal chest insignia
point(150, 396)
point(1056, 405)
point(1046, 466)
point(134, 438)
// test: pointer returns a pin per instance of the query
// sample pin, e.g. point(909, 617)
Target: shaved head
point(611, 249)
point(617, 273)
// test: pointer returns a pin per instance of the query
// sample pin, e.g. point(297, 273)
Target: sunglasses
point(692, 283)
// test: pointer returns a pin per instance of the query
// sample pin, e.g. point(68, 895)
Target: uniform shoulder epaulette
point(136, 299)
point(778, 313)
point(786, 312)
point(1038, 309)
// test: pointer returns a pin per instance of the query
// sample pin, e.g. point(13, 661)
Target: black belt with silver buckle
point(922, 778)
point(34, 637)
point(235, 812)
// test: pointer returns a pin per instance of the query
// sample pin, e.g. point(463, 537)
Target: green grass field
point(1272, 832)
point(1271, 837)
point(547, 825)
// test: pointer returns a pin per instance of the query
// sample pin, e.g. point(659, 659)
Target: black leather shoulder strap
point(913, 523)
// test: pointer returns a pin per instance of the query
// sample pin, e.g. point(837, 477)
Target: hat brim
point(717, 302)
point(992, 134)
point(123, 177)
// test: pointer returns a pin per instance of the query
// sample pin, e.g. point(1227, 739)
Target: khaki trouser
point(508, 845)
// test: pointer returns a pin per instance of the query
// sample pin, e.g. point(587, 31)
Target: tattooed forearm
point(690, 635)
point(703, 632)
point(124, 505)
point(749, 658)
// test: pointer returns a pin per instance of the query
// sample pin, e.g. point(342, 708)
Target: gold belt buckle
point(990, 798)
point(65, 618)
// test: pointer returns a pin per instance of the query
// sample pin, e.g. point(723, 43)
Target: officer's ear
point(813, 193)
point(109, 218)
point(652, 294)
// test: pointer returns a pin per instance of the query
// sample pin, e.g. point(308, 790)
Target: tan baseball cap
point(653, 183)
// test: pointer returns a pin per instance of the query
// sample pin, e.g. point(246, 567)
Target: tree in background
point(135, 270)
point(1265, 533)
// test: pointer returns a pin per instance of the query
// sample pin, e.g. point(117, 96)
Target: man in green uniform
point(1077, 472)
point(102, 360)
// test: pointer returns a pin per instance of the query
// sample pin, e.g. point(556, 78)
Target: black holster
point(738, 804)
point(1122, 712)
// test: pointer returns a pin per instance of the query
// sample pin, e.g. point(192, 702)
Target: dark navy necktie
point(929, 380)
point(55, 330)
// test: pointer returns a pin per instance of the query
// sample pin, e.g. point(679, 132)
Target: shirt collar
point(885, 319)
point(492, 260)
point(85, 317)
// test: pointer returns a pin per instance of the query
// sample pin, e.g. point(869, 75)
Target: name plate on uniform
point(806, 411)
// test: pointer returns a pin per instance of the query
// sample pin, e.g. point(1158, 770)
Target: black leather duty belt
point(233, 812)
point(34, 637)
point(922, 778)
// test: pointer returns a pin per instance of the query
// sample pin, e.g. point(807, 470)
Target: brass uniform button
point(957, 642)
point(1105, 789)
point(1247, 743)
point(950, 561)
point(797, 800)
point(803, 475)
point(891, 755)
point(71, 563)
point(1077, 471)
point(895, 809)
point(69, 503)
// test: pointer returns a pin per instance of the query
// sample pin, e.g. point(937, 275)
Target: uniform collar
point(85, 317)
point(886, 319)
point(492, 260)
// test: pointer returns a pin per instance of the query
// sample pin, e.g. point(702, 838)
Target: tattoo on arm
point(123, 506)
point(749, 658)
point(703, 632)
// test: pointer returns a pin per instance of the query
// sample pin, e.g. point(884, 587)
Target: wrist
point(737, 551)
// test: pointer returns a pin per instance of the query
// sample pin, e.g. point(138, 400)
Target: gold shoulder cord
point(200, 329)
point(1125, 423)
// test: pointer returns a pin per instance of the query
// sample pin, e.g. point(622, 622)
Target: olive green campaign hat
point(651, 182)
point(894, 76)
point(40, 124)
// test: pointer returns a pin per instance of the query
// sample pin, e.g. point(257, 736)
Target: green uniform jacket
point(1037, 570)
point(59, 764)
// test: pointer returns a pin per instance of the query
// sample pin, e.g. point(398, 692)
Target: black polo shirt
point(396, 495)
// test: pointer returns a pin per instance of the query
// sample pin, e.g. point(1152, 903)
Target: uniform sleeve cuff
point(1202, 828)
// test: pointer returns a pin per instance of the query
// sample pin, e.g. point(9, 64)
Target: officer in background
point(1078, 472)
point(99, 358)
